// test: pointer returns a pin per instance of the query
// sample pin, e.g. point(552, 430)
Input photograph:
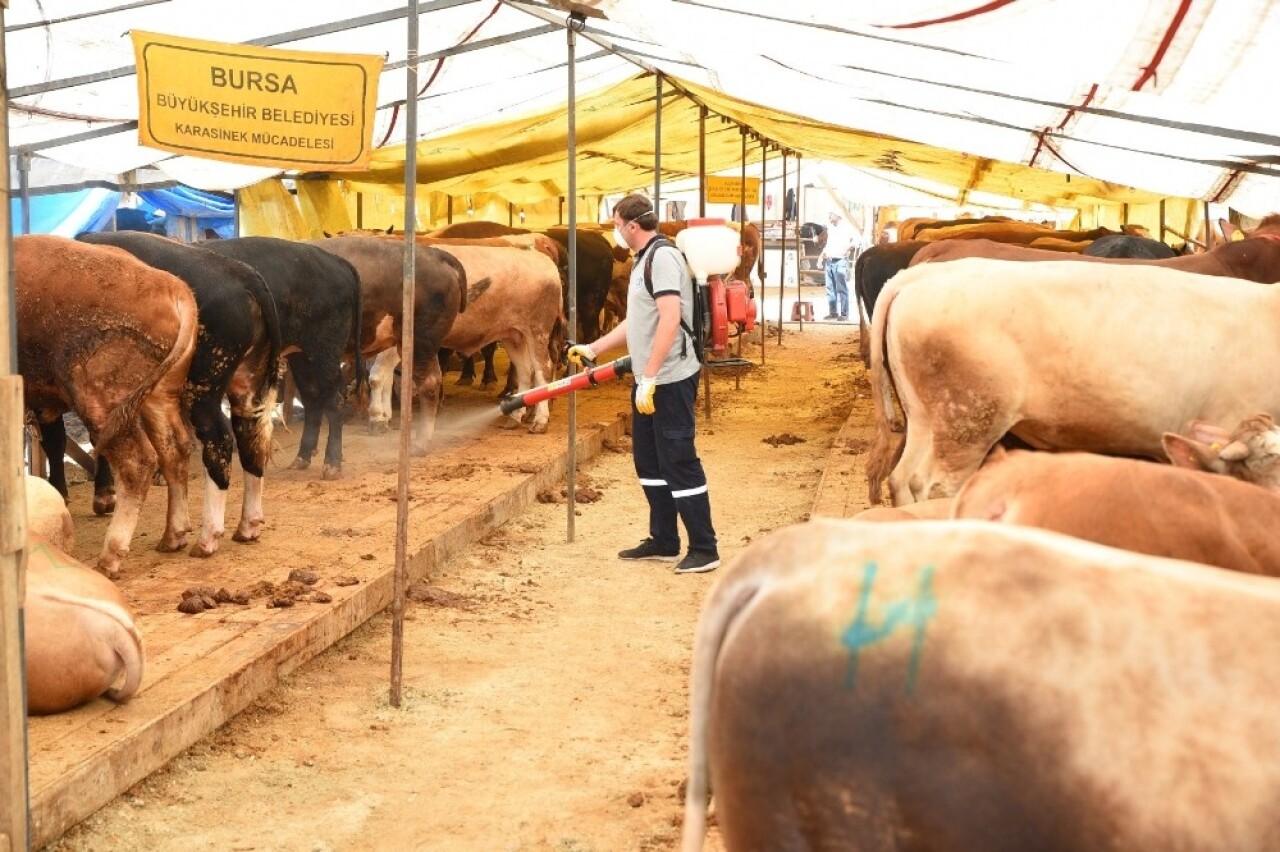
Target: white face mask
point(619, 238)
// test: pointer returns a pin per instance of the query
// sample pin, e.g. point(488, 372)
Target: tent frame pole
point(15, 827)
point(782, 264)
point(574, 24)
point(764, 177)
point(657, 146)
point(799, 216)
point(401, 581)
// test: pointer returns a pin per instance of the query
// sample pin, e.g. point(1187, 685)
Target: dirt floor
point(545, 682)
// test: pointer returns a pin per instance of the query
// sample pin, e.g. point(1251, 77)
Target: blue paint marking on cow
point(915, 612)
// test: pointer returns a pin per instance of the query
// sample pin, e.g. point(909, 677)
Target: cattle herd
point(1072, 649)
point(143, 338)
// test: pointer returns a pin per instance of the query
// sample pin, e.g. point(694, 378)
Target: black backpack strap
point(658, 242)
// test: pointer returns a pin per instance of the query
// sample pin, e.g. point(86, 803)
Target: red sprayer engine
point(712, 250)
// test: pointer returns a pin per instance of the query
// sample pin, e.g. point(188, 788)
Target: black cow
point(440, 294)
point(595, 277)
point(1128, 245)
point(871, 271)
point(237, 355)
point(318, 296)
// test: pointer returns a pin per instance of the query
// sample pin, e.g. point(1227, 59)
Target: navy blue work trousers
point(669, 468)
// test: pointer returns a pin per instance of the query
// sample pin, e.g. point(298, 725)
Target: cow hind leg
point(53, 440)
point(539, 360)
point(253, 442)
point(428, 381)
point(214, 432)
point(490, 378)
point(382, 378)
point(162, 421)
point(333, 445)
point(132, 456)
point(467, 376)
point(313, 409)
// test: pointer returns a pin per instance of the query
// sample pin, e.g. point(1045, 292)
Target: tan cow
point(79, 635)
point(1064, 356)
point(1006, 232)
point(105, 335)
point(965, 685)
point(47, 514)
point(925, 510)
point(1135, 505)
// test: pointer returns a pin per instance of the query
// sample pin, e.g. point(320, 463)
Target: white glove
point(580, 352)
point(645, 387)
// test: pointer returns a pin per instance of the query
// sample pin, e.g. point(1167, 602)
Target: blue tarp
point(211, 211)
point(67, 213)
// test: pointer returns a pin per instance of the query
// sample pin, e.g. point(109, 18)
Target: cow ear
point(327, 235)
point(1208, 433)
point(390, 229)
point(1188, 453)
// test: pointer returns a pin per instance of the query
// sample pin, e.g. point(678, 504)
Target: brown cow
point(440, 297)
point(1254, 258)
point(966, 685)
point(514, 299)
point(1156, 509)
point(1053, 368)
point(78, 632)
point(1007, 232)
point(105, 335)
point(925, 510)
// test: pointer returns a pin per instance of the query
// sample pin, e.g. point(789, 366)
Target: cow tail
point(184, 345)
point(886, 451)
point(358, 362)
point(724, 606)
point(129, 649)
point(269, 388)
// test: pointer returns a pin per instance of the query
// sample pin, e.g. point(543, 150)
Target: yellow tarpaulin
point(523, 159)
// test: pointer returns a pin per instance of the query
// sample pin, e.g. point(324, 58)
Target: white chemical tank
point(710, 246)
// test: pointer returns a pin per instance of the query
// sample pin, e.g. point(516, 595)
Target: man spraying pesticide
point(665, 352)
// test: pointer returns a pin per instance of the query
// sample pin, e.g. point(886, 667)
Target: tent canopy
point(1168, 96)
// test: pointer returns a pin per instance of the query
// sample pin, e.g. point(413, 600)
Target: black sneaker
point(830, 317)
point(649, 549)
point(698, 562)
point(844, 318)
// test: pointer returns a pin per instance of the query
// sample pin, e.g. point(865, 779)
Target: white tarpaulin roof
point(1170, 96)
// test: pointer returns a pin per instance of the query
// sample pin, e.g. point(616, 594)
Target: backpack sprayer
point(707, 245)
point(588, 378)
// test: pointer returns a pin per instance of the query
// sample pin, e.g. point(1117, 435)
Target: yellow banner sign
point(289, 109)
point(728, 190)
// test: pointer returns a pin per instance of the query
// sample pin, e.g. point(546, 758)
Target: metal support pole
point(24, 189)
point(764, 176)
point(799, 216)
point(657, 147)
point(359, 213)
point(742, 239)
point(782, 265)
point(576, 23)
point(1162, 225)
point(702, 174)
point(448, 216)
point(1208, 229)
point(15, 829)
point(406, 355)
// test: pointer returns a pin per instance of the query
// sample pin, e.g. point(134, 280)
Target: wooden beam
point(13, 542)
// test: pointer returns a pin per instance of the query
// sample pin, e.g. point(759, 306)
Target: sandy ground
point(545, 682)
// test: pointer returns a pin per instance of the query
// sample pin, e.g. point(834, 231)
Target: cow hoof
point(538, 429)
point(332, 471)
point(247, 535)
point(378, 427)
point(200, 550)
point(465, 380)
point(104, 504)
point(171, 545)
point(489, 385)
point(109, 567)
point(510, 424)
point(300, 464)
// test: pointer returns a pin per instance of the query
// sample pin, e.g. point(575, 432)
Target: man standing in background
point(835, 262)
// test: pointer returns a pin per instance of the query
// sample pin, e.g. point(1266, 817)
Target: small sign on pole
point(729, 190)
point(258, 106)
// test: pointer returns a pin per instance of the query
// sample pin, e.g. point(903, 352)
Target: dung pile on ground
point(786, 438)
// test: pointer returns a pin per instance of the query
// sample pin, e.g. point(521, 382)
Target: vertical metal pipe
point(14, 798)
point(782, 265)
point(1208, 229)
point(742, 237)
point(702, 168)
point(359, 212)
point(657, 147)
point(799, 216)
point(448, 216)
point(576, 23)
point(764, 176)
point(1162, 231)
point(406, 355)
point(24, 189)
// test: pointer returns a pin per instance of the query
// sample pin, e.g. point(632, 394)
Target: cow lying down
point(47, 514)
point(967, 685)
point(80, 638)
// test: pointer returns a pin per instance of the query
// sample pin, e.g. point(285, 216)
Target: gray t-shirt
point(670, 275)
